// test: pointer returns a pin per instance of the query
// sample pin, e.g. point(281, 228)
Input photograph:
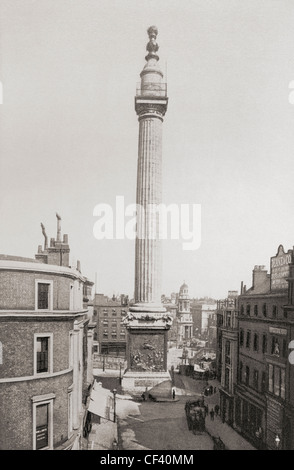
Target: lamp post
point(114, 391)
point(277, 441)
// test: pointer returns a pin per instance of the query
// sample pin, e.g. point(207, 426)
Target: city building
point(263, 350)
point(46, 349)
point(184, 317)
point(203, 313)
point(110, 332)
point(227, 353)
point(253, 355)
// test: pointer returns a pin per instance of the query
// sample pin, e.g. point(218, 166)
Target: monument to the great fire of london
point(148, 322)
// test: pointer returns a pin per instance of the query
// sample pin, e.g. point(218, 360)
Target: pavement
point(161, 425)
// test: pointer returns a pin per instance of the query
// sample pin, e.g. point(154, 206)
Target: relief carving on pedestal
point(147, 353)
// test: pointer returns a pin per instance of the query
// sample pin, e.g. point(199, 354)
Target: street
point(163, 425)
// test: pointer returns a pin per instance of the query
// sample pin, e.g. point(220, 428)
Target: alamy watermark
point(154, 221)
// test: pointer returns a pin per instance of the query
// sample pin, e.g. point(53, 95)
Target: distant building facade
point(261, 394)
point(227, 353)
point(110, 333)
point(46, 345)
point(184, 317)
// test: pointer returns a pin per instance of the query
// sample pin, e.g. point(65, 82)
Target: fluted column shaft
point(148, 245)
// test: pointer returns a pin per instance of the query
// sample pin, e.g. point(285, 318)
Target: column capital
point(150, 108)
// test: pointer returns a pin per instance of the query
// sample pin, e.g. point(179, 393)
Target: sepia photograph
point(146, 242)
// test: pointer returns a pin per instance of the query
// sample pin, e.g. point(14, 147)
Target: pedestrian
point(174, 393)
point(214, 389)
point(206, 410)
point(216, 409)
point(211, 389)
point(212, 415)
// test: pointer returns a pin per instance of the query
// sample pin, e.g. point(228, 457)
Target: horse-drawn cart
point(195, 414)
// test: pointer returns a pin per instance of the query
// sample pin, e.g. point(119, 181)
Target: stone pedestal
point(136, 383)
point(147, 353)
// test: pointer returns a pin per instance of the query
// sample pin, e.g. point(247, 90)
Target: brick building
point(261, 393)
point(263, 349)
point(46, 345)
point(110, 333)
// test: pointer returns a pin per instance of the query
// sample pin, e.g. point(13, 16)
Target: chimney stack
point(58, 238)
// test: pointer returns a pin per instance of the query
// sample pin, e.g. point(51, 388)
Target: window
point(113, 312)
point(241, 372)
point(241, 337)
point(275, 346)
point(256, 310)
point(264, 344)
point(43, 421)
point(248, 339)
point(284, 350)
point(43, 353)
point(276, 383)
point(263, 382)
point(227, 377)
point(277, 372)
point(105, 333)
point(242, 309)
point(229, 319)
point(247, 374)
point(282, 390)
point(275, 311)
point(114, 333)
point(264, 310)
point(42, 425)
point(43, 295)
point(227, 352)
point(256, 342)
point(248, 309)
point(105, 312)
point(255, 379)
point(270, 378)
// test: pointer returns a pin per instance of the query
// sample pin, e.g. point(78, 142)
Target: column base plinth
point(158, 384)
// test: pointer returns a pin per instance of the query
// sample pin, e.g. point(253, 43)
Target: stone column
point(148, 248)
point(147, 322)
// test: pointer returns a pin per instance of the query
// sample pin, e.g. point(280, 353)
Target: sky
point(69, 131)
